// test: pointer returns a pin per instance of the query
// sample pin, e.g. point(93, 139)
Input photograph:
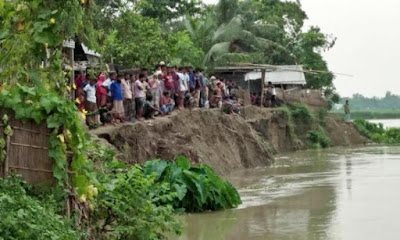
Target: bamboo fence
point(27, 152)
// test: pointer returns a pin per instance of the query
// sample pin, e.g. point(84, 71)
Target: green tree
point(183, 51)
point(308, 52)
point(226, 10)
point(168, 10)
point(28, 29)
point(136, 41)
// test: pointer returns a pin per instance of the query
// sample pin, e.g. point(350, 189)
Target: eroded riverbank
point(224, 142)
point(338, 194)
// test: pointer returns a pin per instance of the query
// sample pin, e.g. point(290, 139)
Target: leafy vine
point(8, 132)
point(67, 138)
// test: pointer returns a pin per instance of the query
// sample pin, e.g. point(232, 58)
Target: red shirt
point(79, 81)
point(168, 81)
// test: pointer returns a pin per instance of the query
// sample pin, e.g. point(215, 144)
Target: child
point(116, 90)
point(167, 104)
point(91, 103)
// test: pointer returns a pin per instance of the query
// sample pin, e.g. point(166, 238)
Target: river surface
point(338, 194)
point(387, 123)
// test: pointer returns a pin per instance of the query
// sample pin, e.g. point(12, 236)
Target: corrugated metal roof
point(90, 52)
point(71, 44)
point(291, 74)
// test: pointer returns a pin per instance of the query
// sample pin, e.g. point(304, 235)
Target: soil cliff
point(225, 142)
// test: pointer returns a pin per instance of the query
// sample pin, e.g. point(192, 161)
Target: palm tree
point(229, 35)
point(239, 40)
point(201, 30)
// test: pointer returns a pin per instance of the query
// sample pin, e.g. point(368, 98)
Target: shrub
point(318, 139)
point(131, 205)
point(321, 115)
point(301, 112)
point(377, 133)
point(24, 217)
point(392, 135)
point(198, 188)
point(370, 130)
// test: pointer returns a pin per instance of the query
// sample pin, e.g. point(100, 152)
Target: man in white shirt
point(183, 86)
point(90, 103)
point(140, 96)
point(107, 84)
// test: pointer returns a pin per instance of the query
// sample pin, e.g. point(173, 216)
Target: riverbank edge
point(224, 142)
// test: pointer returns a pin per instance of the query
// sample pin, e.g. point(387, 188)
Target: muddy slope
point(274, 127)
point(206, 136)
point(225, 142)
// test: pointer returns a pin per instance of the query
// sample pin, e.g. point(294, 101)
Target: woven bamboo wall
point(27, 152)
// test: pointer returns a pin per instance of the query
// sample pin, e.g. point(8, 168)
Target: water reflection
point(311, 195)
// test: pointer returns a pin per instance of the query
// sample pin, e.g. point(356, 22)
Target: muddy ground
point(225, 142)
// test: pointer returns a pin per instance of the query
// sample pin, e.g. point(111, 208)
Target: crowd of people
point(116, 98)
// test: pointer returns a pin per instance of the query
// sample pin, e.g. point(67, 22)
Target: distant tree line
point(358, 102)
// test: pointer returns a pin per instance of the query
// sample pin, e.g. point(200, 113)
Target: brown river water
point(338, 194)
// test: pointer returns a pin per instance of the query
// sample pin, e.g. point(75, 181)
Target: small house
point(249, 76)
point(289, 80)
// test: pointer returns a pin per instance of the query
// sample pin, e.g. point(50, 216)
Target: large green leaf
point(175, 172)
point(181, 191)
point(155, 168)
point(183, 162)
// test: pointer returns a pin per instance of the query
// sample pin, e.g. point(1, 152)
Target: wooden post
point(262, 86)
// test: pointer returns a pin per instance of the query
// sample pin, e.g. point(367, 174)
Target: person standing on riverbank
point(347, 112)
point(116, 90)
point(140, 97)
point(90, 103)
point(127, 92)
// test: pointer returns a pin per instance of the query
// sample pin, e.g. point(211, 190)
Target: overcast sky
point(368, 44)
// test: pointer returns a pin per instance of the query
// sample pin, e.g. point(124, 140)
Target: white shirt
point(90, 93)
point(107, 84)
point(186, 79)
point(139, 93)
point(182, 82)
point(273, 91)
point(126, 84)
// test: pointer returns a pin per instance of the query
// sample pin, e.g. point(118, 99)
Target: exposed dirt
point(206, 136)
point(225, 142)
point(344, 134)
point(273, 127)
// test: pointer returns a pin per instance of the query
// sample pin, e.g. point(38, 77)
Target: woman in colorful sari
point(101, 91)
